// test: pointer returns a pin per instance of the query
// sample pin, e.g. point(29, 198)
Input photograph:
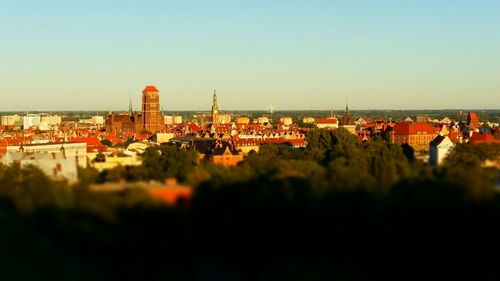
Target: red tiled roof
point(364, 136)
point(408, 128)
point(113, 138)
point(454, 136)
point(150, 89)
point(326, 121)
point(473, 117)
point(483, 138)
point(93, 143)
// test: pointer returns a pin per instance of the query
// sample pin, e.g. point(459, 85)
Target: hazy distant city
point(249, 140)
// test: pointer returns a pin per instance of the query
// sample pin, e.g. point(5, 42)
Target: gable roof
point(437, 140)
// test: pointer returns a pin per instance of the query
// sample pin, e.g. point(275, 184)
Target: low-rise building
point(327, 123)
point(308, 120)
point(103, 162)
point(226, 157)
point(286, 120)
point(75, 151)
point(243, 120)
point(439, 148)
point(168, 119)
point(224, 119)
point(56, 165)
point(262, 120)
point(98, 121)
point(416, 134)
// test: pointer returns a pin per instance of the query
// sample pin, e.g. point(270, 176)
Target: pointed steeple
point(214, 103)
point(215, 109)
point(130, 110)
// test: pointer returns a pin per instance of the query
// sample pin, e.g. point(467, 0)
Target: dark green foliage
point(169, 161)
point(29, 189)
point(472, 155)
point(336, 210)
point(106, 143)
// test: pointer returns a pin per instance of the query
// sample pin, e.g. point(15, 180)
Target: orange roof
point(326, 121)
point(408, 128)
point(92, 142)
point(483, 138)
point(150, 89)
point(171, 195)
point(473, 117)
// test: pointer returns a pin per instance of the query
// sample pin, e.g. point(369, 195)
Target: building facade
point(439, 148)
point(77, 152)
point(416, 134)
point(150, 120)
point(31, 120)
point(11, 120)
point(327, 123)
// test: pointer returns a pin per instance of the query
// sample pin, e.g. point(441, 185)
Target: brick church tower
point(152, 119)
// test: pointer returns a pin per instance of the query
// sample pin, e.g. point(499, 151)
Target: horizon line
point(257, 110)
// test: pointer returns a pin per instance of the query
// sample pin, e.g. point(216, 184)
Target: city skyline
point(295, 55)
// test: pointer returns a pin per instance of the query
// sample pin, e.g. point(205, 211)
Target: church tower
point(215, 109)
point(151, 116)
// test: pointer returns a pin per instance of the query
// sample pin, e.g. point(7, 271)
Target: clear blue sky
point(308, 54)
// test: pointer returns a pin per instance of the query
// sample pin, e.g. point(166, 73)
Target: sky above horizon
point(308, 54)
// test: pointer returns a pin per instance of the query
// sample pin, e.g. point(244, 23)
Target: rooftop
point(150, 88)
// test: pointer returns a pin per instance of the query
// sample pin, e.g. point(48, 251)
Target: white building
point(172, 119)
point(11, 120)
point(31, 120)
point(262, 120)
point(168, 120)
point(327, 123)
point(286, 120)
point(75, 151)
point(51, 120)
point(439, 148)
point(224, 118)
point(55, 165)
point(98, 120)
point(308, 120)
point(243, 120)
point(177, 119)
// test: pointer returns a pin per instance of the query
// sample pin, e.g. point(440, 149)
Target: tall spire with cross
point(215, 109)
point(214, 105)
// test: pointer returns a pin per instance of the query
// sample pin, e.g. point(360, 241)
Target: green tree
point(169, 161)
point(107, 143)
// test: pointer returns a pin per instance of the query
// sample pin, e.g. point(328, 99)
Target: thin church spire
point(130, 109)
